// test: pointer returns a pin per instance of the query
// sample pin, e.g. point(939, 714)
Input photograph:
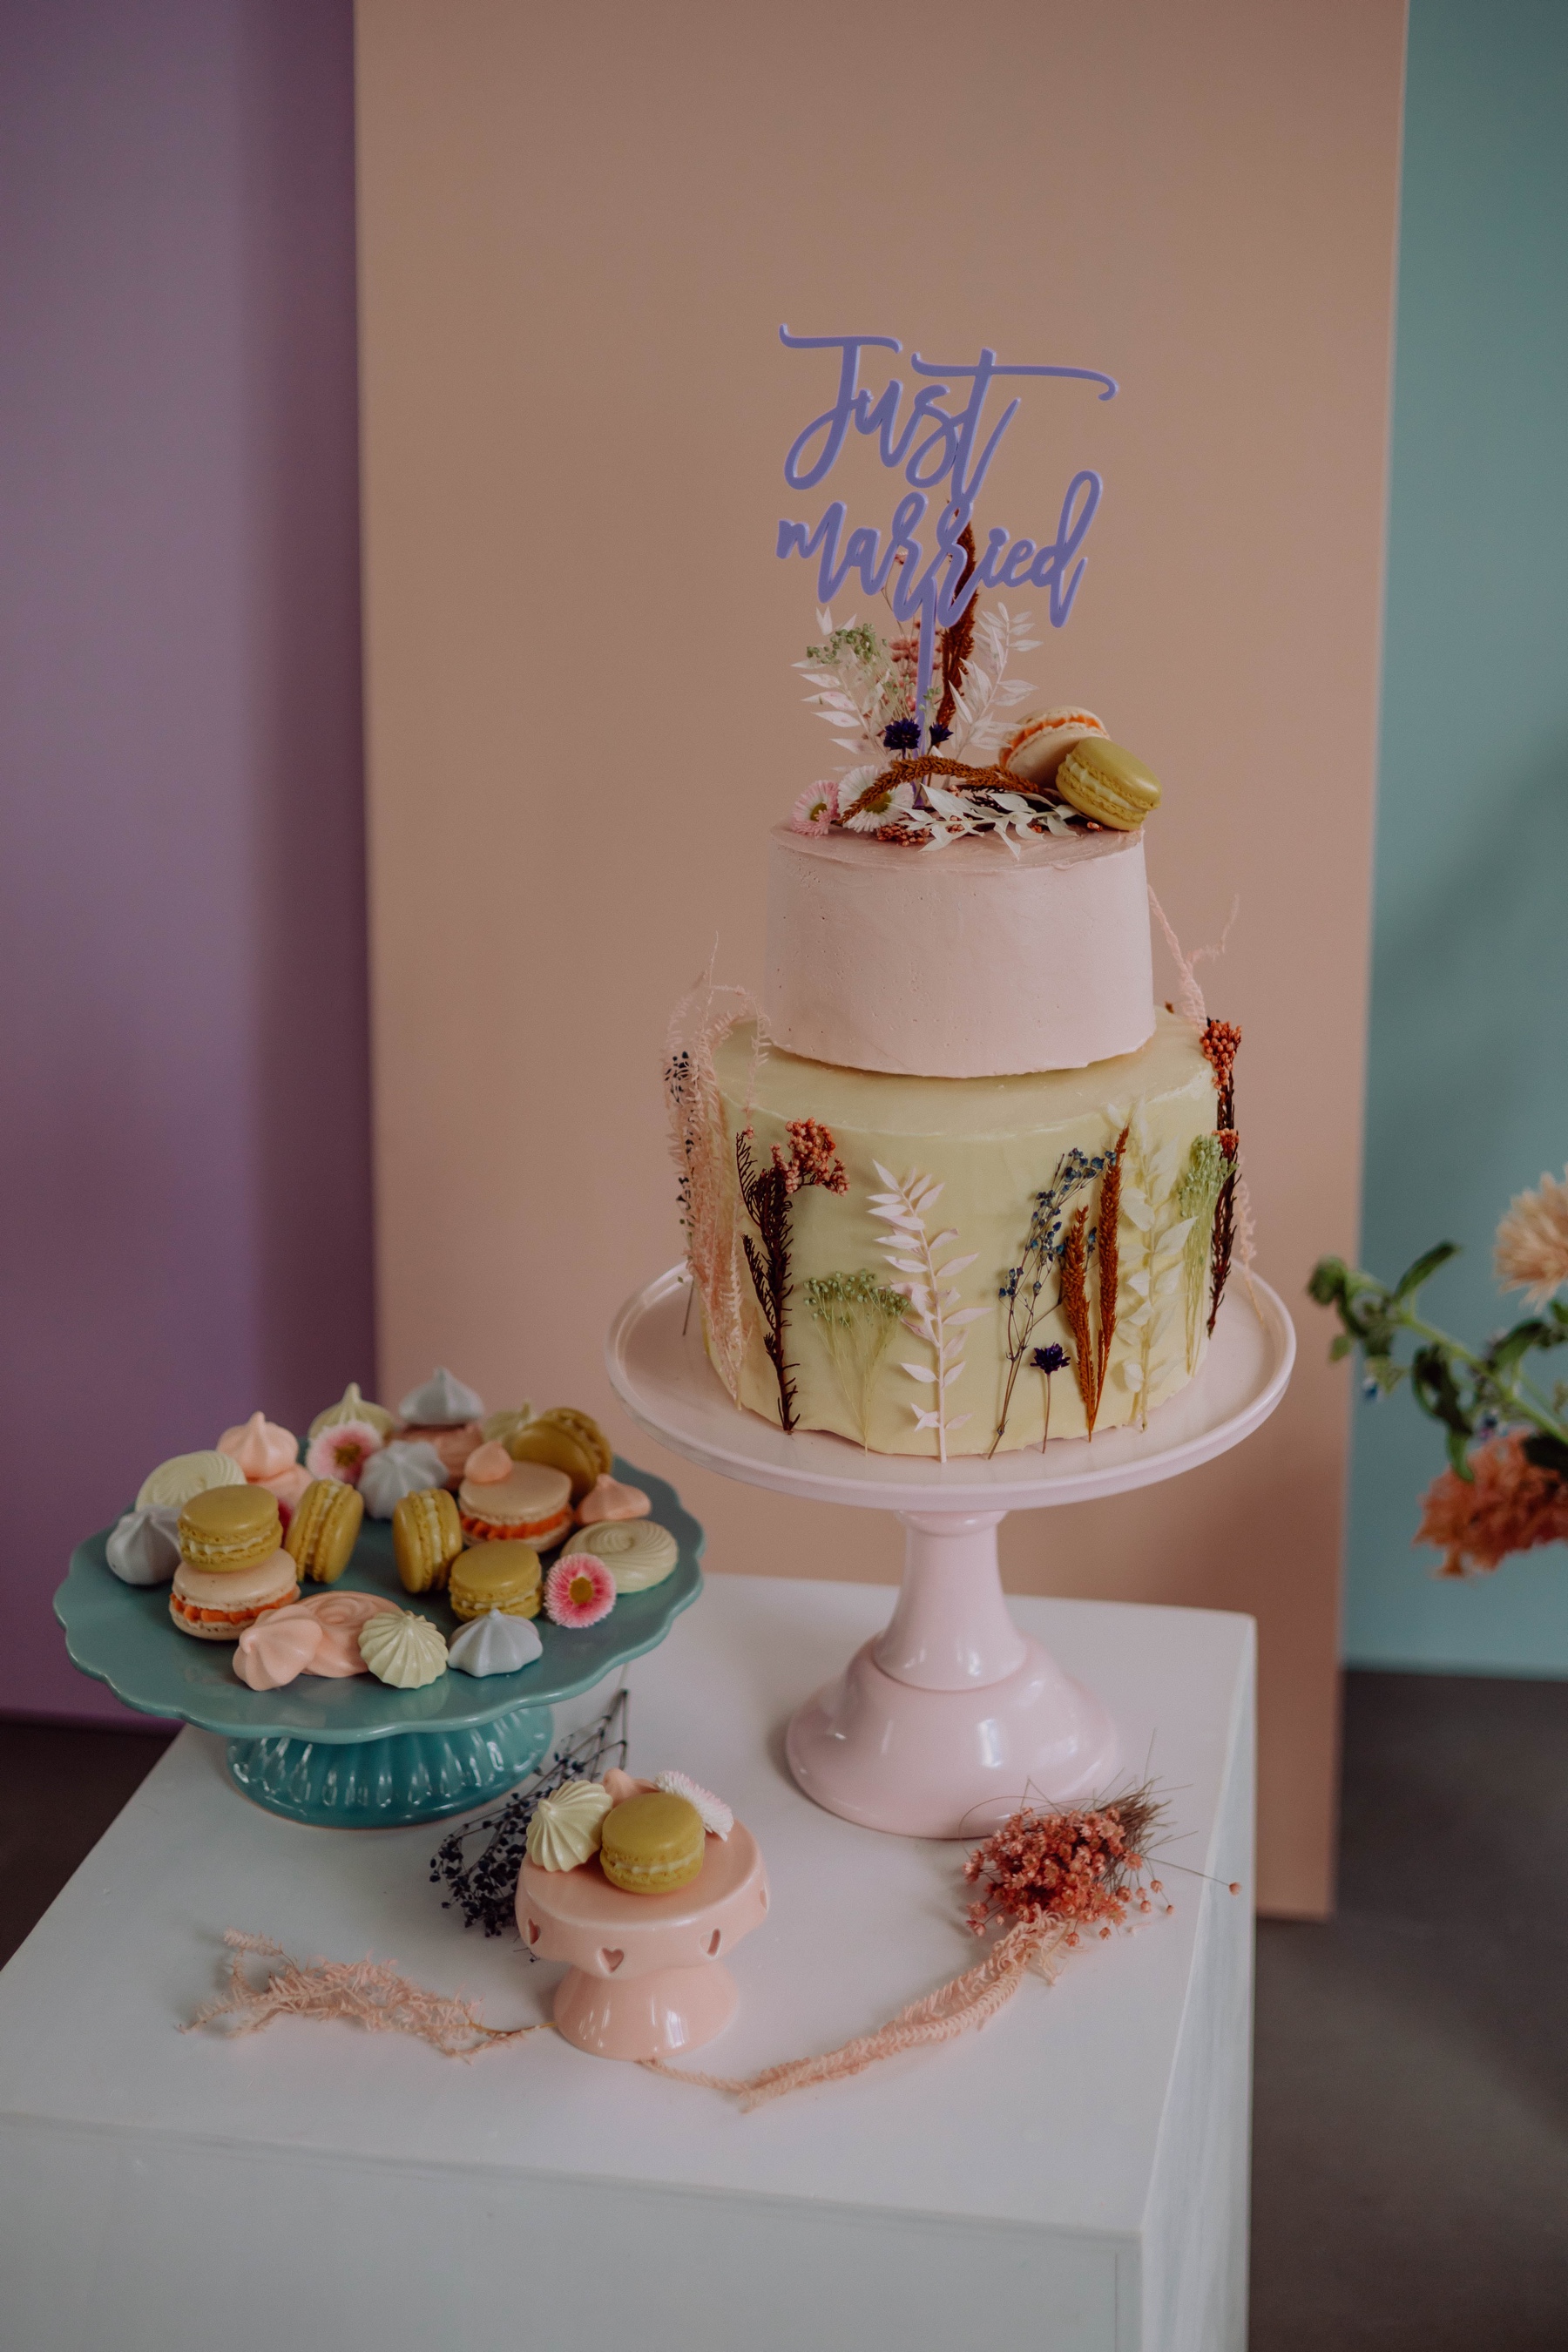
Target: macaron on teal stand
point(357, 1754)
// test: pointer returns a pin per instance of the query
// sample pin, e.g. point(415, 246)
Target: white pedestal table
point(1072, 2177)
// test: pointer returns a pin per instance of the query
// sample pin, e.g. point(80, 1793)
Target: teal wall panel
point(1467, 1088)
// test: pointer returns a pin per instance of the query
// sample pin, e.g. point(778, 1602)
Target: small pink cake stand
point(942, 1725)
point(646, 1975)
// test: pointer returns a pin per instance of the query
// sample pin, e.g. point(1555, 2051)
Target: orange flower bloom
point(1510, 1506)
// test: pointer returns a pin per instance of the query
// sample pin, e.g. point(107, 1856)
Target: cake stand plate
point(944, 1724)
point(357, 1754)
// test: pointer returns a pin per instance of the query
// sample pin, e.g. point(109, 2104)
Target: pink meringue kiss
point(606, 1498)
point(341, 1451)
point(288, 1486)
point(261, 1447)
point(622, 1785)
point(488, 1466)
point(274, 1652)
point(453, 1445)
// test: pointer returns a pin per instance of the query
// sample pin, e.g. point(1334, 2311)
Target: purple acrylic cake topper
point(936, 446)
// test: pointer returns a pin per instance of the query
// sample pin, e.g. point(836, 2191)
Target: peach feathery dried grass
point(1531, 1249)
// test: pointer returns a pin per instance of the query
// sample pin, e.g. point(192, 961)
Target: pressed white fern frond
point(936, 1315)
point(1152, 1307)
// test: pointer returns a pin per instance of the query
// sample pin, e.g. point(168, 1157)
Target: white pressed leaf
point(927, 1420)
point(908, 1264)
point(889, 1179)
point(922, 1372)
point(959, 1418)
point(956, 1265)
point(969, 1315)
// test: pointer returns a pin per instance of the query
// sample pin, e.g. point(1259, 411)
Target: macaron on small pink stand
point(645, 1975)
point(940, 1726)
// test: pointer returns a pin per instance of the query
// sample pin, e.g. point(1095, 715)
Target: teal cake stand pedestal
point(357, 1754)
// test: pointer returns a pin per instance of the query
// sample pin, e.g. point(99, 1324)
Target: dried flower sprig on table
point(1510, 1493)
point(1079, 1868)
point(485, 1888)
point(767, 1193)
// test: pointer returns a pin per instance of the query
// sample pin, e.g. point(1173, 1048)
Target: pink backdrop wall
point(184, 1150)
point(580, 230)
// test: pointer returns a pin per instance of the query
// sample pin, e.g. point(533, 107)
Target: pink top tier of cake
point(962, 962)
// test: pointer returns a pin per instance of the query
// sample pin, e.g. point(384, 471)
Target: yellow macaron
point(567, 1440)
point(325, 1528)
point(1103, 780)
point(504, 1576)
point(229, 1527)
point(652, 1844)
point(426, 1536)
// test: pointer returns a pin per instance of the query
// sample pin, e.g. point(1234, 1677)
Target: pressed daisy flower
point(1532, 1251)
point(579, 1591)
point(815, 808)
point(342, 1451)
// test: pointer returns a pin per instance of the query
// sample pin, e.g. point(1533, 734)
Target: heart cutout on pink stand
point(610, 1960)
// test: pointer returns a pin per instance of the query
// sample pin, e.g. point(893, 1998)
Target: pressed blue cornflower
point(939, 735)
point(1370, 1391)
point(1048, 1360)
point(902, 735)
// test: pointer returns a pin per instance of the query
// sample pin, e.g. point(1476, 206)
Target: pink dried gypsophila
point(579, 1591)
point(817, 809)
point(813, 1158)
point(342, 1451)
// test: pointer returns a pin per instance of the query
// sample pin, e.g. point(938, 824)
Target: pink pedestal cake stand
point(943, 1725)
point(646, 1977)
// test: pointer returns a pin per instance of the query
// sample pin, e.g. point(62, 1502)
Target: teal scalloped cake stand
point(355, 1754)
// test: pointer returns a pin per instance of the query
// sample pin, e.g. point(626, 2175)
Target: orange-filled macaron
point(218, 1604)
point(531, 1504)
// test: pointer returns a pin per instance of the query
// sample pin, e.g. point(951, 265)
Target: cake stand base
point(953, 1718)
point(651, 2016)
point(385, 1784)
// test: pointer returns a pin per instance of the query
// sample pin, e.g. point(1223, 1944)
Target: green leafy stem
point(1469, 1393)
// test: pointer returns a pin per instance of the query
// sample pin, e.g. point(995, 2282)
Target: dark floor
point(1411, 2138)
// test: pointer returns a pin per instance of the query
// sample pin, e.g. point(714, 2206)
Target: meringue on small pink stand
point(607, 1499)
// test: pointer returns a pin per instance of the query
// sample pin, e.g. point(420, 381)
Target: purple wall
point(185, 1161)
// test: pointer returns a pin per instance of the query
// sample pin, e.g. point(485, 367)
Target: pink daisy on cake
point(341, 1451)
point(579, 1591)
point(815, 808)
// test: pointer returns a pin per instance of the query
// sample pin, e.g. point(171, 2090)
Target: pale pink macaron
point(1037, 748)
point(606, 1498)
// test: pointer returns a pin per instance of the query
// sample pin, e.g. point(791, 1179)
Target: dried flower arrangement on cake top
point(1506, 1487)
point(966, 764)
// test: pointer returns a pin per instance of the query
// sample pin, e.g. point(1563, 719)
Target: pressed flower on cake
point(341, 1451)
point(817, 809)
point(579, 1591)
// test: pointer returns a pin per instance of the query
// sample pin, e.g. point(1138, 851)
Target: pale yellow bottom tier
point(961, 1163)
